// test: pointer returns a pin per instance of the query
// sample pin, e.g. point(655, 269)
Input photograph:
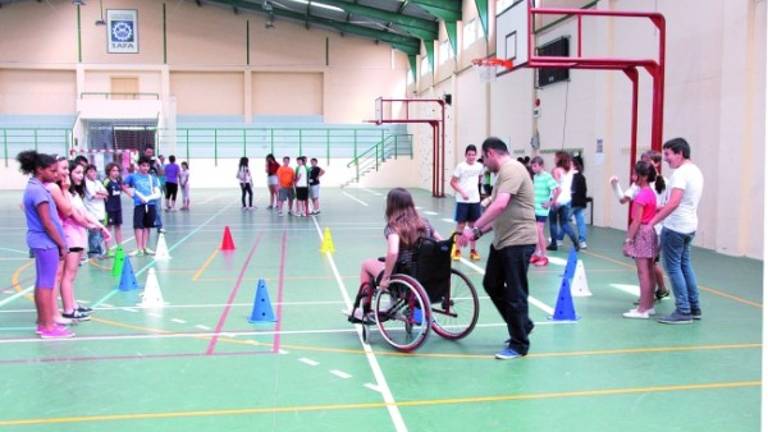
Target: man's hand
point(465, 237)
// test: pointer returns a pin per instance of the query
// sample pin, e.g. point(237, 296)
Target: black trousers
point(506, 282)
point(246, 188)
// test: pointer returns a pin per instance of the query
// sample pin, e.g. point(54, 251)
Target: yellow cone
point(327, 245)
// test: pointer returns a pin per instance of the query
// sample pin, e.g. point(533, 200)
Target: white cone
point(161, 252)
point(152, 296)
point(579, 285)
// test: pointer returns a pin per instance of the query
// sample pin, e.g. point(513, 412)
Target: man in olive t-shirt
point(512, 218)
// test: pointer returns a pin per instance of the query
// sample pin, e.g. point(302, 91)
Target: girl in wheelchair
point(403, 230)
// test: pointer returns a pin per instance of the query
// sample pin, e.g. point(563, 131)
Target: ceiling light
point(320, 5)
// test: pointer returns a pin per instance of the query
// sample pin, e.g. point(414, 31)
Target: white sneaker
point(636, 314)
point(583, 245)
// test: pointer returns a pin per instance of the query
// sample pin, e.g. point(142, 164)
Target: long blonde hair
point(403, 218)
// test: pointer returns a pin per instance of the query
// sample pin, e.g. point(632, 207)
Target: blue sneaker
point(676, 317)
point(507, 354)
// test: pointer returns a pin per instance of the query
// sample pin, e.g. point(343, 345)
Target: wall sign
point(123, 31)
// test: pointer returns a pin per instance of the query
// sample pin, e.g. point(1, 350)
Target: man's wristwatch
point(477, 232)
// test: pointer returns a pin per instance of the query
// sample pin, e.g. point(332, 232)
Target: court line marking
point(309, 362)
point(205, 265)
point(701, 287)
point(16, 251)
point(450, 221)
point(231, 298)
point(375, 405)
point(280, 287)
point(372, 192)
point(373, 387)
point(178, 321)
point(340, 374)
point(353, 198)
point(17, 286)
point(378, 373)
point(532, 300)
point(170, 249)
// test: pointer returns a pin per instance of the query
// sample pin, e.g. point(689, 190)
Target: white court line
point(283, 352)
point(129, 310)
point(557, 261)
point(627, 288)
point(381, 381)
point(156, 315)
point(202, 327)
point(372, 192)
point(340, 374)
point(372, 387)
point(355, 199)
point(107, 305)
point(17, 295)
point(450, 221)
point(178, 321)
point(429, 212)
point(309, 362)
point(532, 300)
point(193, 306)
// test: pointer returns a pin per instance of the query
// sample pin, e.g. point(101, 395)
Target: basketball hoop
point(487, 67)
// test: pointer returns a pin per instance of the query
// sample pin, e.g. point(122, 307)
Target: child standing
point(95, 195)
point(114, 207)
point(171, 183)
point(641, 242)
point(184, 183)
point(145, 190)
point(545, 192)
point(45, 237)
point(464, 181)
point(285, 178)
point(314, 185)
point(246, 183)
point(579, 200)
point(271, 168)
point(302, 186)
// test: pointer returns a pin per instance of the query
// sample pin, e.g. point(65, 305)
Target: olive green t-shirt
point(516, 225)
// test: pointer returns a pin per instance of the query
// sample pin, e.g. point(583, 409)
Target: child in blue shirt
point(145, 190)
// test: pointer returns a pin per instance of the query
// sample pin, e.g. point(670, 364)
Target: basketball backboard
point(512, 34)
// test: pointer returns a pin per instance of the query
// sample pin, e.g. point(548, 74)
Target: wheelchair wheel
point(454, 316)
point(402, 313)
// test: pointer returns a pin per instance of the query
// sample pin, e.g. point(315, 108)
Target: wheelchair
point(424, 293)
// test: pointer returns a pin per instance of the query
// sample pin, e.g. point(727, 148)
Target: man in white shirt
point(680, 223)
point(465, 181)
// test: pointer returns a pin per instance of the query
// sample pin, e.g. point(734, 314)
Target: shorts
point(285, 194)
point(302, 193)
point(46, 265)
point(114, 217)
point(144, 216)
point(542, 219)
point(314, 192)
point(272, 180)
point(645, 244)
point(467, 212)
point(171, 189)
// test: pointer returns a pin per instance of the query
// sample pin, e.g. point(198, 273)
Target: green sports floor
point(198, 364)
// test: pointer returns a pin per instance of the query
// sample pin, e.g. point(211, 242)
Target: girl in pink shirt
point(641, 242)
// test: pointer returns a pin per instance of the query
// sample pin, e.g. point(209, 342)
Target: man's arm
point(674, 201)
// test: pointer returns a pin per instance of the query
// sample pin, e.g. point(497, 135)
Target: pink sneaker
point(58, 332)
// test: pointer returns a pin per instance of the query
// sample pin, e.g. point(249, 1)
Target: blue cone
point(570, 266)
point(128, 280)
point(262, 307)
point(564, 310)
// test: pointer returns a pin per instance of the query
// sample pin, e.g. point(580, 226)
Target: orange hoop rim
point(492, 62)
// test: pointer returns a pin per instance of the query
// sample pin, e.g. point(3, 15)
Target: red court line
point(230, 300)
point(280, 286)
point(128, 357)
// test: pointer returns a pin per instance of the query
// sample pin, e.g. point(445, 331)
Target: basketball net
point(487, 68)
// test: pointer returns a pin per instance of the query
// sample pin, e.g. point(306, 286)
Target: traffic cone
point(127, 278)
point(564, 310)
point(161, 252)
point(226, 241)
point(327, 245)
point(117, 266)
point(152, 297)
point(579, 285)
point(262, 307)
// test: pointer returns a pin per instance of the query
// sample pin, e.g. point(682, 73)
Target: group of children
point(285, 183)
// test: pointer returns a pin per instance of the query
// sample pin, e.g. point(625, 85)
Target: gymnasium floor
point(198, 364)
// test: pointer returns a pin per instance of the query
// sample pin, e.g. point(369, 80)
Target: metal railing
point(121, 95)
point(373, 157)
point(46, 140)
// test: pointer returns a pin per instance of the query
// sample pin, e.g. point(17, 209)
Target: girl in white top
point(560, 213)
point(246, 183)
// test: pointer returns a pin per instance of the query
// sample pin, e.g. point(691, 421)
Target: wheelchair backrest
point(430, 264)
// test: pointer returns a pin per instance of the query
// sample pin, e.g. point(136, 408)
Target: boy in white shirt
point(95, 196)
point(465, 181)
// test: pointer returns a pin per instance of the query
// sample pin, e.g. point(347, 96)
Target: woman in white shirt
point(560, 213)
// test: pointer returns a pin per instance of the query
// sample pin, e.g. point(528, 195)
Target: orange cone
point(226, 241)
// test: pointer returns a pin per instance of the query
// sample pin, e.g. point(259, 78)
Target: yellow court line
point(205, 265)
point(15, 279)
point(377, 405)
point(702, 287)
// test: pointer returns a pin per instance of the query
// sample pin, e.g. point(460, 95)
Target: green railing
point(228, 143)
point(121, 95)
point(373, 157)
point(47, 140)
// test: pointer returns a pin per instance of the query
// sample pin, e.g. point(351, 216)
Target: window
point(425, 66)
point(473, 30)
point(446, 51)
